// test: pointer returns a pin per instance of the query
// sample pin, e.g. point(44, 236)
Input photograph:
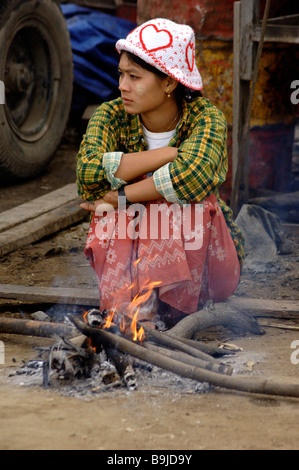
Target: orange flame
point(132, 311)
point(85, 315)
point(109, 319)
point(91, 345)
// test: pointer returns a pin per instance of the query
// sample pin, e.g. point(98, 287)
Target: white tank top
point(156, 140)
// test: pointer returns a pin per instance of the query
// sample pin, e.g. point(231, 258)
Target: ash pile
point(105, 355)
point(74, 367)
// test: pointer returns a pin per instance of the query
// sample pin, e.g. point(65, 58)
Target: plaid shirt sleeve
point(163, 184)
point(98, 157)
point(111, 162)
point(201, 164)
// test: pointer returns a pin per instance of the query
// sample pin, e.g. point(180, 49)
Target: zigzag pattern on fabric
point(167, 256)
point(114, 279)
point(108, 291)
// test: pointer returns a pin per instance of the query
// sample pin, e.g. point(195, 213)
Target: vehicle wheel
point(36, 68)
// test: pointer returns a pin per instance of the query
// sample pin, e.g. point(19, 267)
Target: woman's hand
point(142, 191)
point(107, 203)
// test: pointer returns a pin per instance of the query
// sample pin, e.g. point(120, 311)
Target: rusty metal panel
point(209, 18)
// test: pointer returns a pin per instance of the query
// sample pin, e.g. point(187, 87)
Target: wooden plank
point(281, 326)
point(277, 33)
point(260, 307)
point(248, 16)
point(51, 295)
point(243, 14)
point(236, 90)
point(239, 195)
point(44, 225)
point(77, 296)
point(39, 206)
point(285, 20)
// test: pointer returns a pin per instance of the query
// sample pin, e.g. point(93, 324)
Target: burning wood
point(107, 353)
point(120, 323)
point(74, 360)
point(259, 386)
point(104, 366)
point(72, 357)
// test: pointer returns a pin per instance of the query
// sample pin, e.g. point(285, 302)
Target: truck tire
point(36, 68)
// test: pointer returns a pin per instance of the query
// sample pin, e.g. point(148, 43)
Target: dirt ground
point(153, 417)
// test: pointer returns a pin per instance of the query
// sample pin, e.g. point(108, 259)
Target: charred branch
point(68, 360)
point(187, 359)
point(174, 348)
point(123, 365)
point(193, 348)
point(244, 384)
point(215, 315)
point(43, 329)
point(176, 343)
point(209, 349)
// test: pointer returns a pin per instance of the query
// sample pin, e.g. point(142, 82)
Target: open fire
point(115, 356)
point(104, 357)
point(129, 320)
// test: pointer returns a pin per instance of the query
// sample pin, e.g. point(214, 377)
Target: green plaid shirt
point(198, 171)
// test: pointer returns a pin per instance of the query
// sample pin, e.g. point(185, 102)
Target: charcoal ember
point(104, 374)
point(34, 364)
point(109, 373)
point(69, 360)
point(68, 366)
point(30, 368)
point(94, 317)
point(129, 378)
point(117, 321)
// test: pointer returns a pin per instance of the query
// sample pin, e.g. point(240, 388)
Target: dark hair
point(181, 92)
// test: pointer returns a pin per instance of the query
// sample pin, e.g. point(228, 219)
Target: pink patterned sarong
point(185, 253)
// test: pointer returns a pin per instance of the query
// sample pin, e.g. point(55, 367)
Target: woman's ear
point(170, 85)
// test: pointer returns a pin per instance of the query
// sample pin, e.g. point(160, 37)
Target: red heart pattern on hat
point(150, 36)
point(190, 56)
point(168, 46)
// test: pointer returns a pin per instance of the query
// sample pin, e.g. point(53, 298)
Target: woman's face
point(141, 91)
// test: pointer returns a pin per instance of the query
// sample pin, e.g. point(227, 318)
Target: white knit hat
point(168, 46)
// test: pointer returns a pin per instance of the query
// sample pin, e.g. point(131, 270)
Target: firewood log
point(187, 359)
point(244, 384)
point(213, 315)
point(19, 326)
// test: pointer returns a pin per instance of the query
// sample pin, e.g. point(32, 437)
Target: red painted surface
point(209, 18)
point(127, 12)
point(270, 156)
